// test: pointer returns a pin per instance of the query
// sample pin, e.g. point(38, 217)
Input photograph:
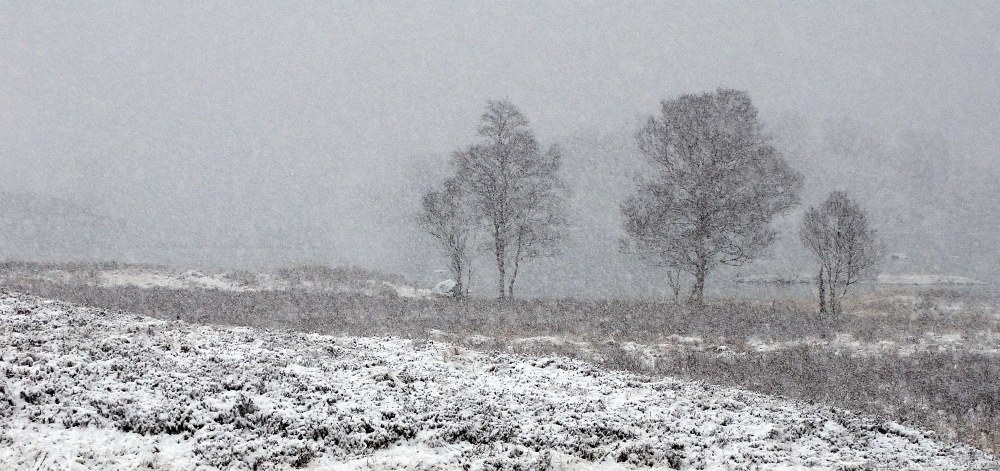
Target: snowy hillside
point(340, 280)
point(82, 388)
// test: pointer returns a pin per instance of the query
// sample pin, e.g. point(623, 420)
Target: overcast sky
point(263, 122)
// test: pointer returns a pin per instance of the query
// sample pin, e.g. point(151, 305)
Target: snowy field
point(82, 388)
point(340, 281)
point(357, 281)
point(917, 279)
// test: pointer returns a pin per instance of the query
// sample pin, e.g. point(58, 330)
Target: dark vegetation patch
point(954, 392)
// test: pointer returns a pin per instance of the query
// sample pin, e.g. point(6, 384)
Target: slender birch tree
point(848, 251)
point(718, 185)
point(515, 191)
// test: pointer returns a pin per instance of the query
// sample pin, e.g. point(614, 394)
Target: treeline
point(717, 184)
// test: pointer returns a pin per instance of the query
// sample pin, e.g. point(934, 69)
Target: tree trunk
point(674, 280)
point(822, 294)
point(503, 276)
point(517, 263)
point(500, 261)
point(510, 286)
point(698, 291)
point(468, 283)
point(834, 302)
point(456, 272)
point(458, 292)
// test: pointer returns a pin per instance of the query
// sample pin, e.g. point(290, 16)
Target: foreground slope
point(82, 388)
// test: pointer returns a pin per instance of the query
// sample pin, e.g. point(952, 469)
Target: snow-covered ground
point(927, 279)
point(884, 279)
point(151, 278)
point(82, 388)
point(143, 277)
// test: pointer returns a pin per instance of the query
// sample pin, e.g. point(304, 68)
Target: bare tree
point(720, 183)
point(675, 277)
point(516, 190)
point(446, 215)
point(848, 251)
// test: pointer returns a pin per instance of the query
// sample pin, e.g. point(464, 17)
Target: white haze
point(210, 134)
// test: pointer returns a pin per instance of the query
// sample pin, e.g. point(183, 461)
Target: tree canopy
point(445, 214)
point(515, 190)
point(719, 184)
point(848, 251)
point(506, 190)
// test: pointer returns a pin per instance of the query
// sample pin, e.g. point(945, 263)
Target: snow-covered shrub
point(646, 453)
point(6, 401)
point(242, 398)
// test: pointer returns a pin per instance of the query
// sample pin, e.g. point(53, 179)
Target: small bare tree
point(720, 182)
point(446, 215)
point(848, 251)
point(515, 190)
point(540, 226)
point(675, 275)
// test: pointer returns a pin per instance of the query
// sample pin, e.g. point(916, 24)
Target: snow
point(144, 277)
point(82, 388)
point(887, 279)
point(927, 279)
point(444, 288)
point(404, 291)
point(150, 278)
point(783, 279)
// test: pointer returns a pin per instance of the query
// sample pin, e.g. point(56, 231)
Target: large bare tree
point(718, 186)
point(848, 251)
point(515, 189)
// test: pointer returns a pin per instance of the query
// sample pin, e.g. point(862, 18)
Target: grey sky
point(281, 122)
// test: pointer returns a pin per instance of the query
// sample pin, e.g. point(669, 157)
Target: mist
point(232, 135)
